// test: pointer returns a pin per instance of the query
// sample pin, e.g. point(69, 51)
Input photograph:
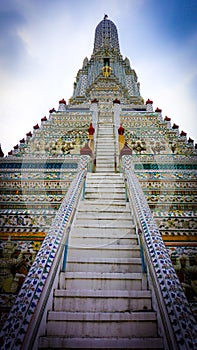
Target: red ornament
point(22, 141)
point(149, 102)
point(167, 119)
point(29, 134)
point(43, 119)
point(91, 130)
point(63, 101)
point(36, 127)
point(175, 126)
point(121, 130)
point(52, 110)
point(158, 110)
point(183, 133)
point(116, 101)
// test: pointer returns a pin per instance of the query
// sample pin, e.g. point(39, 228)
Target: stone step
point(101, 153)
point(97, 324)
point(104, 223)
point(101, 136)
point(98, 301)
point(104, 216)
point(106, 128)
point(102, 179)
point(106, 182)
point(109, 165)
point(105, 166)
point(106, 202)
point(105, 147)
point(85, 206)
point(108, 132)
point(104, 156)
point(106, 175)
point(76, 241)
point(103, 186)
point(100, 187)
point(119, 265)
point(103, 231)
point(109, 251)
point(61, 342)
point(107, 154)
point(102, 160)
point(96, 280)
point(113, 233)
point(101, 169)
point(104, 195)
point(105, 134)
point(105, 142)
point(101, 133)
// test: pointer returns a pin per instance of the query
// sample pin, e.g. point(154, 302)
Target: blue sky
point(43, 44)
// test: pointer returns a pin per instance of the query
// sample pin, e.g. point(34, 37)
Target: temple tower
point(98, 210)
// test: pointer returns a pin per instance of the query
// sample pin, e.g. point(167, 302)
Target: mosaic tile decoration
point(174, 299)
point(19, 319)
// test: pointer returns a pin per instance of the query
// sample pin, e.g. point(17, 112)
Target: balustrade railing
point(28, 315)
point(177, 320)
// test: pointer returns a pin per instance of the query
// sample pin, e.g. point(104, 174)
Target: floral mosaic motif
point(38, 175)
point(177, 223)
point(32, 198)
point(182, 320)
point(163, 185)
point(39, 221)
point(174, 213)
point(13, 332)
point(171, 198)
point(36, 184)
point(171, 175)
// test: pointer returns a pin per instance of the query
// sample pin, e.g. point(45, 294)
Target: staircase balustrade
point(177, 319)
point(27, 316)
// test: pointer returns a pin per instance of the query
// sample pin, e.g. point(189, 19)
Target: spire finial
point(105, 16)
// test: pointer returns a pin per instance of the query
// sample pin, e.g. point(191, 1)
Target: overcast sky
point(43, 44)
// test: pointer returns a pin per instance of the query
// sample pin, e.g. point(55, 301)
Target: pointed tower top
point(106, 36)
point(1, 152)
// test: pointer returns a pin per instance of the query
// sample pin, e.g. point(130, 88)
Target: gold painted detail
point(106, 71)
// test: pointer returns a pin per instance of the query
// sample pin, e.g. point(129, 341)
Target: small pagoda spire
point(62, 105)
point(149, 105)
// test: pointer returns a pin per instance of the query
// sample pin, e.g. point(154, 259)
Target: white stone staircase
point(105, 147)
point(103, 300)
